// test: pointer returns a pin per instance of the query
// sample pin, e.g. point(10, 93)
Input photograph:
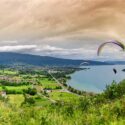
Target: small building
point(47, 90)
point(3, 94)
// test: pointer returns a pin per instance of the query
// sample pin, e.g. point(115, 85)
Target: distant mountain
point(8, 58)
point(115, 62)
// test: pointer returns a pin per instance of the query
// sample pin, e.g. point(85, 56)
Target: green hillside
point(34, 98)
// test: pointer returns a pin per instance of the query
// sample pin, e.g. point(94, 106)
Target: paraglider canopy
point(114, 70)
point(84, 63)
point(115, 42)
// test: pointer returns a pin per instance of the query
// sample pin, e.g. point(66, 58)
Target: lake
point(96, 78)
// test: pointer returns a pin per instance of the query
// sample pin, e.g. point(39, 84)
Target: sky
point(65, 29)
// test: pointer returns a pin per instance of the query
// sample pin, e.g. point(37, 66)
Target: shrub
point(115, 90)
point(31, 91)
point(84, 104)
point(28, 99)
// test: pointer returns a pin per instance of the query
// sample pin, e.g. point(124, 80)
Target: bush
point(13, 91)
point(115, 90)
point(84, 104)
point(58, 87)
point(28, 100)
point(68, 110)
point(31, 91)
point(8, 83)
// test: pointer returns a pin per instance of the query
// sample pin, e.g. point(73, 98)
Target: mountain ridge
point(10, 58)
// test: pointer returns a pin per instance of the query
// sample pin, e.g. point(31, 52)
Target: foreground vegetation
point(33, 97)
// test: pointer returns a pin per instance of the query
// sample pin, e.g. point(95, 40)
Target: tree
point(31, 91)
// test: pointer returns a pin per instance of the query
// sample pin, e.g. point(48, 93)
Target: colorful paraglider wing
point(111, 42)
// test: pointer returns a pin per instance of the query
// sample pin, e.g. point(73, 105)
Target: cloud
point(86, 52)
point(73, 53)
point(48, 18)
point(69, 29)
point(17, 48)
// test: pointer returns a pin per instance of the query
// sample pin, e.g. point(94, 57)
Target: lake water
point(96, 78)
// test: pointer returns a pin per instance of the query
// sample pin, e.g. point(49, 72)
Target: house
point(47, 90)
point(3, 94)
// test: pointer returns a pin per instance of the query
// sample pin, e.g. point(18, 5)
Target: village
point(37, 86)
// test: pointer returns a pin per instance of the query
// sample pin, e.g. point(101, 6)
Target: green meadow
point(46, 83)
point(40, 101)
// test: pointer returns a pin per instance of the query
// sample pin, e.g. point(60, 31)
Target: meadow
point(39, 101)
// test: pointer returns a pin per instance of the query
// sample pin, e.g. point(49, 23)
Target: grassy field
point(46, 83)
point(58, 107)
point(64, 96)
point(8, 72)
point(16, 89)
point(16, 99)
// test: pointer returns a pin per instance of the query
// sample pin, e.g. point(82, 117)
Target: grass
point(42, 101)
point(16, 87)
point(76, 110)
point(64, 96)
point(8, 72)
point(16, 99)
point(46, 83)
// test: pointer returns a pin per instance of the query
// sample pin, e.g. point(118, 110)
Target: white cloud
point(75, 29)
point(84, 52)
point(17, 48)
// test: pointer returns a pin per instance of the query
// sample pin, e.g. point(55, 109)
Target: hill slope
point(8, 58)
